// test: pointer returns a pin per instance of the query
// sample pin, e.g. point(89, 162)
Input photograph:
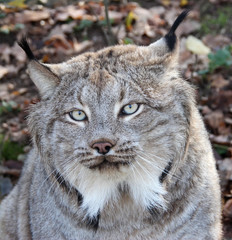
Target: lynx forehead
point(119, 151)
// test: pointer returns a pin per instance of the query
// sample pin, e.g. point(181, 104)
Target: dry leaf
point(3, 71)
point(17, 52)
point(215, 42)
point(131, 17)
point(218, 81)
point(80, 47)
point(141, 26)
point(31, 16)
point(189, 26)
point(196, 46)
point(226, 166)
point(116, 16)
point(18, 4)
point(183, 3)
point(57, 38)
point(75, 13)
point(227, 210)
point(157, 10)
point(215, 119)
point(166, 3)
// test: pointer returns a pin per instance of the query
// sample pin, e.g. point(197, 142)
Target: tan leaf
point(218, 81)
point(32, 16)
point(227, 210)
point(3, 71)
point(196, 46)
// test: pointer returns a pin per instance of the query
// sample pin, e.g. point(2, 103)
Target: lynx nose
point(102, 147)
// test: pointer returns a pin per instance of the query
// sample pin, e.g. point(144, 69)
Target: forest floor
point(57, 32)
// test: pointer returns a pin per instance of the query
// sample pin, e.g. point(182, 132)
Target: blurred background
point(58, 30)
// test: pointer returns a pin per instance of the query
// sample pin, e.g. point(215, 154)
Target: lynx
point(119, 151)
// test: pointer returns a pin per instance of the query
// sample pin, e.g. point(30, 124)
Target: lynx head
point(113, 122)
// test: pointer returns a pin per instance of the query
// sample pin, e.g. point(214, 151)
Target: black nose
point(102, 147)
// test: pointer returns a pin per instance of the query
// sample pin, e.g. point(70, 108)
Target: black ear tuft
point(171, 36)
point(24, 45)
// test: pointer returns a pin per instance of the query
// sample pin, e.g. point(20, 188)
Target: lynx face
point(112, 126)
point(113, 121)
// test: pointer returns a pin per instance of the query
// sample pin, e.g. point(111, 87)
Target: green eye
point(78, 115)
point(130, 109)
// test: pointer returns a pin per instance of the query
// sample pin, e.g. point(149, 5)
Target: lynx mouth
point(107, 162)
point(106, 165)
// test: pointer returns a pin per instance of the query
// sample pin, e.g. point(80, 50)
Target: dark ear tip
point(171, 36)
point(25, 46)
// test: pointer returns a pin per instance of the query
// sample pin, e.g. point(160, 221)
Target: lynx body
point(119, 152)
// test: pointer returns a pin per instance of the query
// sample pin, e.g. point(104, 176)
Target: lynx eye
point(130, 109)
point(78, 115)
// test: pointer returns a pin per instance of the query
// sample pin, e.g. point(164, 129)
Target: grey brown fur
point(158, 179)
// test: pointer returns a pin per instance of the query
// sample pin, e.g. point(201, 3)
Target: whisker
point(61, 175)
point(46, 180)
point(154, 165)
point(146, 171)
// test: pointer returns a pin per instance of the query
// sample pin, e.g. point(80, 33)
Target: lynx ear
point(43, 77)
point(167, 45)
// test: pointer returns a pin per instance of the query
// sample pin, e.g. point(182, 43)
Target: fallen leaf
point(215, 119)
point(4, 94)
point(218, 81)
point(57, 38)
point(17, 52)
point(18, 4)
point(221, 100)
point(3, 71)
point(196, 46)
point(5, 52)
point(228, 120)
point(115, 16)
point(159, 10)
point(189, 26)
point(171, 15)
point(61, 16)
point(131, 17)
point(166, 3)
point(21, 91)
point(223, 140)
point(75, 13)
point(32, 16)
point(141, 26)
point(216, 42)
point(227, 209)
point(183, 3)
point(119, 32)
point(82, 46)
point(225, 166)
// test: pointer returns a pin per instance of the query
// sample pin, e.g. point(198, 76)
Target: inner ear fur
point(42, 75)
point(45, 80)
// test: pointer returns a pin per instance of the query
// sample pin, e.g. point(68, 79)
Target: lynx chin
point(120, 151)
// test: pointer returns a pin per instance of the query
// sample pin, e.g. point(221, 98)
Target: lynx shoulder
point(119, 151)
